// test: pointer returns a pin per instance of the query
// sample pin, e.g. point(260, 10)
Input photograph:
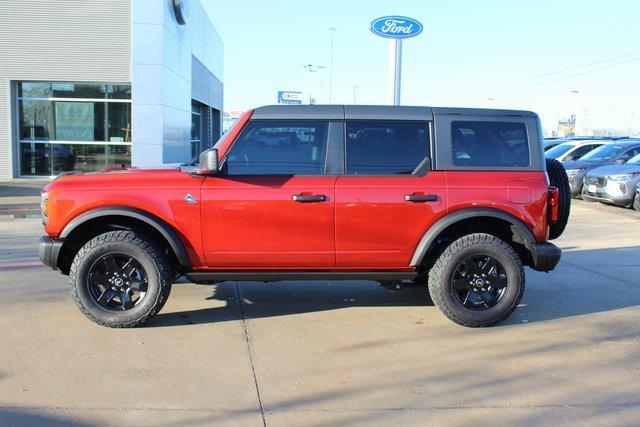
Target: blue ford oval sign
point(396, 27)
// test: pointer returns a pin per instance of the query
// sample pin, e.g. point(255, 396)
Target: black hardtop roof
point(402, 112)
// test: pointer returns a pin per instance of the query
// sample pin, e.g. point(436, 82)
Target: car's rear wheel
point(120, 279)
point(558, 178)
point(477, 281)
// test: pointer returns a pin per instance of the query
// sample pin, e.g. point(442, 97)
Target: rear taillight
point(554, 196)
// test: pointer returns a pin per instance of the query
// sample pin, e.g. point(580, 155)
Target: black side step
point(217, 276)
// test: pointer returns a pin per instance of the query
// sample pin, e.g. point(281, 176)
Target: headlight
point(573, 172)
point(623, 176)
point(44, 206)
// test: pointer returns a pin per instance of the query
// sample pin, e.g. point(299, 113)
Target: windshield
point(605, 152)
point(196, 160)
point(558, 150)
point(635, 160)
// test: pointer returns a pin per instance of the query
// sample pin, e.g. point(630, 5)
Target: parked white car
point(573, 150)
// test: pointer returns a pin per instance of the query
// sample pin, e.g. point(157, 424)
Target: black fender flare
point(521, 232)
point(165, 229)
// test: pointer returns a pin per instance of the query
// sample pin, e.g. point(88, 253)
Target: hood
point(109, 177)
point(603, 171)
point(579, 164)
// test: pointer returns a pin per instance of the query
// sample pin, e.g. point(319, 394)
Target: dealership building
point(89, 84)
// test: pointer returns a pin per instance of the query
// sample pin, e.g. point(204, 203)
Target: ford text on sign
point(396, 27)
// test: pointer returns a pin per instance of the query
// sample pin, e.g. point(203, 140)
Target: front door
point(271, 206)
point(387, 198)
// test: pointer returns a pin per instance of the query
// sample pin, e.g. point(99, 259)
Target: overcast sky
point(490, 53)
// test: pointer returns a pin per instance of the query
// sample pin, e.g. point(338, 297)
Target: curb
point(9, 213)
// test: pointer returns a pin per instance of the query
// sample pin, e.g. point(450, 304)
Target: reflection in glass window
point(119, 122)
point(36, 120)
point(385, 148)
point(502, 144)
point(279, 147)
point(92, 114)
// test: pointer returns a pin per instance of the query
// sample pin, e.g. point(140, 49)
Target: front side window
point(279, 147)
point(386, 147)
point(494, 144)
point(581, 151)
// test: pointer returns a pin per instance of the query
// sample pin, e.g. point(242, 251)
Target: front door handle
point(306, 198)
point(420, 198)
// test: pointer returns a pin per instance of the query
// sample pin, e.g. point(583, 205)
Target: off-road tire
point(154, 262)
point(558, 178)
point(440, 278)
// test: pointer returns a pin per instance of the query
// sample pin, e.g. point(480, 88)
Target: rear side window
point(501, 144)
point(279, 147)
point(385, 147)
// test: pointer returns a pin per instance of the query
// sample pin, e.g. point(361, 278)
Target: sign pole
point(395, 28)
point(397, 71)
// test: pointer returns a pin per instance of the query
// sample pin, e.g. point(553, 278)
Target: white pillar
point(395, 71)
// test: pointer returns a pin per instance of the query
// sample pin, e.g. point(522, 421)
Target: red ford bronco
point(459, 199)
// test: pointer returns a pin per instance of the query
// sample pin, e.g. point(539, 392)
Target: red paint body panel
point(253, 222)
point(158, 192)
point(505, 191)
point(375, 226)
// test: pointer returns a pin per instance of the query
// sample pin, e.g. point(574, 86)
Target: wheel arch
point(79, 230)
point(520, 233)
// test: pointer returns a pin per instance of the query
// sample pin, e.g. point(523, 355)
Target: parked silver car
point(617, 152)
point(573, 150)
point(614, 184)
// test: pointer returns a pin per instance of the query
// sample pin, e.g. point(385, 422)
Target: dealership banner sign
point(289, 97)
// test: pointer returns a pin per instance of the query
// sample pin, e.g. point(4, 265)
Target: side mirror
point(208, 162)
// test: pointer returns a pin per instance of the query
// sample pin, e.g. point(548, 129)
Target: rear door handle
point(304, 198)
point(420, 198)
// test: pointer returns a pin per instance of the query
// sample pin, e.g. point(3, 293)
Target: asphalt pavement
point(331, 353)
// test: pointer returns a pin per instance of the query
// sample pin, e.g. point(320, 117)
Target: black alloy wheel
point(117, 282)
point(479, 282)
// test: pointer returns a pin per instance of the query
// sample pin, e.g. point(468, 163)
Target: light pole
point(311, 69)
point(354, 87)
point(331, 31)
point(575, 112)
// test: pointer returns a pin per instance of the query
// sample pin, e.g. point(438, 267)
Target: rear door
point(388, 196)
point(272, 205)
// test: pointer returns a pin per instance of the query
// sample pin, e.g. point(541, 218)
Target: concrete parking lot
point(318, 353)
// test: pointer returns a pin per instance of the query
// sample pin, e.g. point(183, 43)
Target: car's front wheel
point(120, 279)
point(477, 281)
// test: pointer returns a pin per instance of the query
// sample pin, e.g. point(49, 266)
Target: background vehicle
point(573, 150)
point(617, 152)
point(614, 184)
point(321, 192)
point(549, 143)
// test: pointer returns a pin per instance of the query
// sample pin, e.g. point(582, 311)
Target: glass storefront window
point(92, 114)
point(119, 122)
point(44, 159)
point(196, 130)
point(73, 90)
